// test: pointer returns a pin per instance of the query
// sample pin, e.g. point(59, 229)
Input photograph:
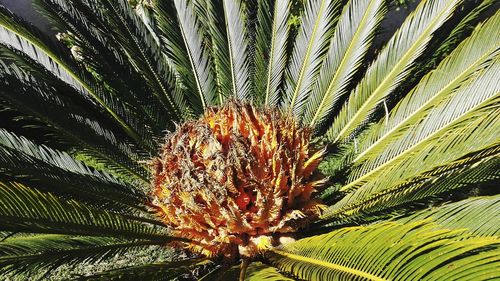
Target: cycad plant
point(259, 140)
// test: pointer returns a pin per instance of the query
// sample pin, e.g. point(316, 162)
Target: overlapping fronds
point(397, 250)
point(56, 171)
point(197, 54)
point(211, 14)
point(478, 215)
point(52, 157)
point(65, 115)
point(478, 167)
point(259, 271)
point(470, 60)
point(391, 67)
point(273, 44)
point(23, 37)
point(143, 51)
point(461, 110)
point(256, 271)
point(475, 129)
point(472, 14)
point(235, 14)
point(352, 37)
point(24, 209)
point(310, 46)
point(199, 61)
point(79, 29)
point(45, 252)
point(189, 58)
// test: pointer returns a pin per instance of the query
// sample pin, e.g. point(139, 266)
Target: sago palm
point(260, 140)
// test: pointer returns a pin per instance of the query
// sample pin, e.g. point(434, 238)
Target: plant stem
point(245, 262)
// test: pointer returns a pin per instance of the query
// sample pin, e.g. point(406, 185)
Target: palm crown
point(408, 125)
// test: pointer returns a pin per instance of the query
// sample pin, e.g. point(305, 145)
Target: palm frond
point(17, 64)
point(434, 119)
point(470, 59)
point(261, 31)
point(466, 24)
point(271, 55)
point(64, 115)
point(391, 67)
point(464, 215)
point(20, 35)
point(24, 209)
point(57, 172)
point(474, 130)
point(213, 22)
point(352, 37)
point(309, 50)
point(470, 14)
point(473, 110)
point(172, 34)
point(104, 59)
point(235, 15)
point(390, 251)
point(50, 156)
point(46, 252)
point(154, 272)
point(197, 54)
point(143, 51)
point(479, 167)
point(256, 271)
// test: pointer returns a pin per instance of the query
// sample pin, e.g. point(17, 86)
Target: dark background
point(25, 9)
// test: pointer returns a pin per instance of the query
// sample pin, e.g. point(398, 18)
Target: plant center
point(237, 181)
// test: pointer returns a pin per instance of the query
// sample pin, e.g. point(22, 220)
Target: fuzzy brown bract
point(237, 180)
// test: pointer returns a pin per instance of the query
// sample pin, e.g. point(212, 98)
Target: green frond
point(103, 58)
point(46, 252)
point(50, 156)
point(23, 161)
point(221, 272)
point(143, 50)
point(391, 67)
point(64, 115)
point(476, 128)
point(171, 34)
point(235, 14)
point(441, 120)
point(466, 122)
point(461, 67)
point(197, 54)
point(23, 209)
point(391, 251)
point(154, 272)
point(13, 59)
point(262, 31)
point(272, 33)
point(473, 15)
point(478, 215)
point(351, 39)
point(23, 37)
point(426, 188)
point(317, 22)
point(211, 14)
